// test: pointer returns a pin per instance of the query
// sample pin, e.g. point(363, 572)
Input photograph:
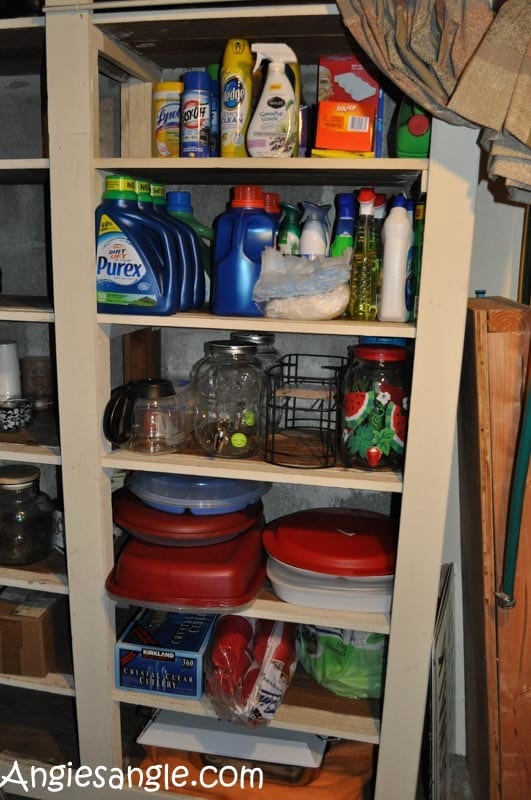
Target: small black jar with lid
point(375, 404)
point(26, 516)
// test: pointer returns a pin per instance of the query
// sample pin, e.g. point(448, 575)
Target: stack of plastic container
point(195, 542)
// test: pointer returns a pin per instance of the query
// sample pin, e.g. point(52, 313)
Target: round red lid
point(130, 513)
point(418, 124)
point(334, 541)
point(247, 196)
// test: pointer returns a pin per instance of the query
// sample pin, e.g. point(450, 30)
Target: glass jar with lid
point(228, 389)
point(265, 345)
point(375, 401)
point(26, 516)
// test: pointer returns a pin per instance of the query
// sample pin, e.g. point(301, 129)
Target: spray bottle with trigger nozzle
point(273, 131)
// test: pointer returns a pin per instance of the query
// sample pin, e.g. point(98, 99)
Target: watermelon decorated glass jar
point(374, 412)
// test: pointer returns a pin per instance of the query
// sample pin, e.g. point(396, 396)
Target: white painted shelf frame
point(75, 41)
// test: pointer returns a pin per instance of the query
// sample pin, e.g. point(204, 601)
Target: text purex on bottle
point(274, 127)
point(136, 268)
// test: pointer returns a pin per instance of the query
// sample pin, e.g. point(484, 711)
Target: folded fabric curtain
point(464, 64)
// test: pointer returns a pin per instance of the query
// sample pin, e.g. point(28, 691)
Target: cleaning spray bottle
point(289, 235)
point(344, 227)
point(314, 236)
point(236, 95)
point(274, 127)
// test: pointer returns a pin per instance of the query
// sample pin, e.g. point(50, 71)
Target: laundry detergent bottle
point(274, 128)
point(242, 233)
point(136, 266)
point(180, 207)
point(193, 286)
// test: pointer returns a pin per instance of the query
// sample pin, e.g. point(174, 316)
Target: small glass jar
point(265, 346)
point(26, 516)
point(374, 413)
point(228, 389)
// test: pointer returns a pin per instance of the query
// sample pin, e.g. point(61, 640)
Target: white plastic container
point(396, 242)
point(331, 592)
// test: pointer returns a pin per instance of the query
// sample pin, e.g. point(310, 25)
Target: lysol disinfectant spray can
point(195, 115)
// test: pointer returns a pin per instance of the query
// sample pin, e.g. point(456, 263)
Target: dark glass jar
point(26, 516)
point(374, 413)
point(228, 391)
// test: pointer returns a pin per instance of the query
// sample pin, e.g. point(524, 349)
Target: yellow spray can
point(236, 97)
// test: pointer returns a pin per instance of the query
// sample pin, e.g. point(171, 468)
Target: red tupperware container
point(224, 575)
point(334, 541)
point(182, 530)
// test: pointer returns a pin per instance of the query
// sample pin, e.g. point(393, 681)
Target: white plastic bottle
point(314, 239)
point(273, 131)
point(396, 241)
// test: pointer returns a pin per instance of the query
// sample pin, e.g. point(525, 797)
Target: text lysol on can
point(167, 119)
point(195, 115)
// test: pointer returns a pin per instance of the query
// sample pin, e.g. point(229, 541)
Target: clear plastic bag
point(294, 287)
point(249, 666)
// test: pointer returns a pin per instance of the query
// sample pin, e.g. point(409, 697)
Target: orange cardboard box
point(348, 102)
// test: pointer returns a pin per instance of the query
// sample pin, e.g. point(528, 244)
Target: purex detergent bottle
point(179, 207)
point(136, 270)
point(193, 274)
point(242, 233)
point(143, 189)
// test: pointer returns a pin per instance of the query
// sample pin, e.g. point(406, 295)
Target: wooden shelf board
point(268, 606)
point(306, 707)
point(38, 441)
point(53, 683)
point(36, 727)
point(23, 170)
point(398, 173)
point(21, 45)
point(204, 320)
point(45, 576)
point(18, 308)
point(183, 464)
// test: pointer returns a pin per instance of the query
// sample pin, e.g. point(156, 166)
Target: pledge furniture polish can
point(166, 105)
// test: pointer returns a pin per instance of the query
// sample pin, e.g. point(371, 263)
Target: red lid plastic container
point(334, 541)
point(247, 196)
point(225, 575)
point(181, 530)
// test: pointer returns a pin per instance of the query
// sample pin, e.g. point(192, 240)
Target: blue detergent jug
point(242, 233)
point(194, 274)
point(136, 260)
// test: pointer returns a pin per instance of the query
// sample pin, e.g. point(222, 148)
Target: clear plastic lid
point(178, 493)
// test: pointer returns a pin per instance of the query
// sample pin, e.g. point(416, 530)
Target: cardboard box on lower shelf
point(30, 630)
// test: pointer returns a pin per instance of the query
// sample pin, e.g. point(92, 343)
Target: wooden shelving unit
point(80, 38)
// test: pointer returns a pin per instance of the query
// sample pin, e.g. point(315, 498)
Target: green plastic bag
point(348, 663)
